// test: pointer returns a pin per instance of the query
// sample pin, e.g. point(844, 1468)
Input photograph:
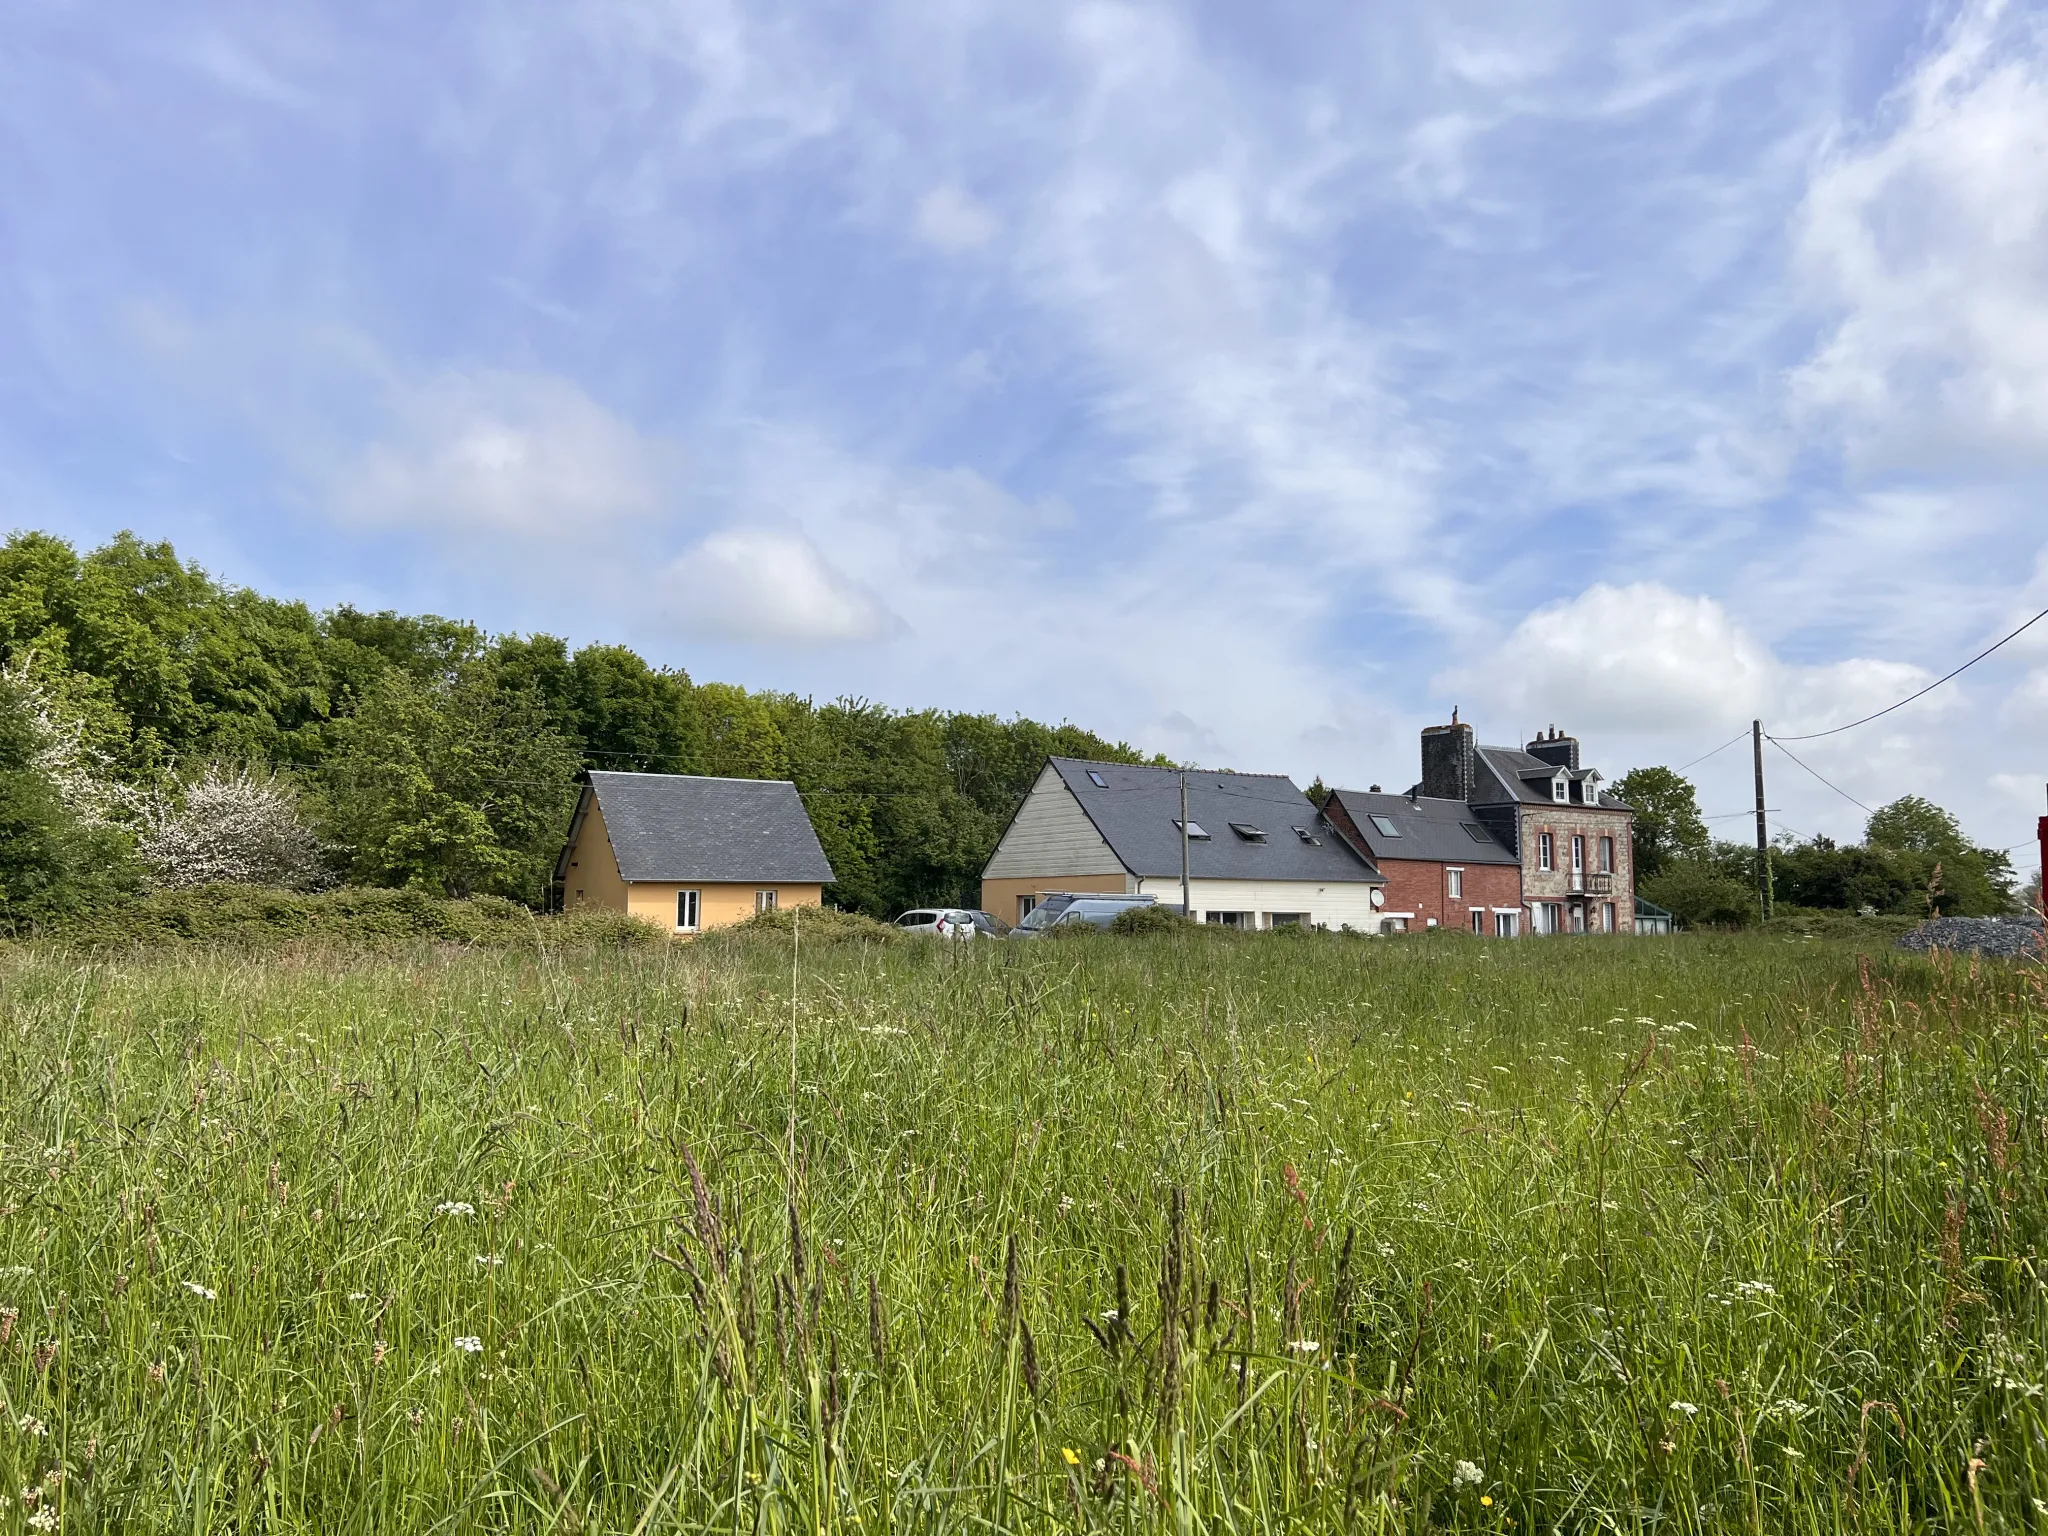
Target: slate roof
point(1500, 777)
point(1431, 830)
point(1137, 809)
point(675, 827)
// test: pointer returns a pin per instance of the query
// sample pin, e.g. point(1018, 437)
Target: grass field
point(1280, 1233)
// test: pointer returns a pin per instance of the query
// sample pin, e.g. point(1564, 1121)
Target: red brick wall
point(1418, 887)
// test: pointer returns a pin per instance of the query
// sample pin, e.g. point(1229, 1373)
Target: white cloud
point(526, 455)
point(1646, 661)
point(951, 220)
point(772, 585)
point(1932, 239)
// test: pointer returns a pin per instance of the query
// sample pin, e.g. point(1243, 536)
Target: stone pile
point(2014, 937)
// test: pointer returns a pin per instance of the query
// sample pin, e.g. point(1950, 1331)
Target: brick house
point(1571, 837)
point(1443, 866)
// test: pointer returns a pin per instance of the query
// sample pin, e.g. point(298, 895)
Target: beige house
point(1259, 854)
point(687, 853)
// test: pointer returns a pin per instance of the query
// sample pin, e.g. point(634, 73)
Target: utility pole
point(1184, 912)
point(1763, 836)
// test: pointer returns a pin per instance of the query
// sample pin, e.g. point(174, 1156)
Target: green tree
point(52, 862)
point(741, 736)
point(1923, 837)
point(1667, 821)
point(1701, 895)
point(457, 785)
point(626, 715)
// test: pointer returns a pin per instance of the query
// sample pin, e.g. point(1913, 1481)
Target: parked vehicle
point(952, 923)
point(1076, 907)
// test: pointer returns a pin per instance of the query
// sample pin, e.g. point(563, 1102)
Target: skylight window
point(1097, 779)
point(1308, 837)
point(1476, 832)
point(1248, 832)
point(1386, 826)
point(1195, 832)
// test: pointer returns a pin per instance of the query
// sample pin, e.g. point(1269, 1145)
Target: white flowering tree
point(230, 826)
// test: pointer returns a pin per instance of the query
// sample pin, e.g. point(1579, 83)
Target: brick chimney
point(1450, 761)
point(1557, 749)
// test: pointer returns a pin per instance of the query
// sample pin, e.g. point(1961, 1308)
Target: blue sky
point(1255, 383)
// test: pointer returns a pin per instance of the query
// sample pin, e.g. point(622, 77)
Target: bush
point(356, 915)
point(1701, 897)
point(818, 925)
point(1155, 919)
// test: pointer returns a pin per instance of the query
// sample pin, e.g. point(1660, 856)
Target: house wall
point(1563, 821)
point(1340, 904)
point(1050, 839)
point(718, 904)
point(1421, 888)
point(592, 878)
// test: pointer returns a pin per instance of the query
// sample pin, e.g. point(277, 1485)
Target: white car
point(951, 923)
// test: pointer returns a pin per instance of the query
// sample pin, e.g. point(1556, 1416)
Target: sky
point(1251, 383)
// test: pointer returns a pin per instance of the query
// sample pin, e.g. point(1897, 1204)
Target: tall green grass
point(1284, 1233)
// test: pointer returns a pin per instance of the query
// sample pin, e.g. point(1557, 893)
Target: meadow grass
point(1287, 1232)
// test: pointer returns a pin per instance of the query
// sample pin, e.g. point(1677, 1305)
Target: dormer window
point(1559, 790)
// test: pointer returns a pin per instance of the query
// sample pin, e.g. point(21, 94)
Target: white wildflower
point(204, 1293)
point(1467, 1474)
point(1688, 1409)
point(1304, 1346)
point(489, 1260)
point(454, 1208)
point(44, 1519)
point(1756, 1288)
point(32, 1426)
point(470, 1344)
point(358, 1295)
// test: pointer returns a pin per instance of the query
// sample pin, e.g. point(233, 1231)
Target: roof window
point(1195, 832)
point(1097, 779)
point(1386, 826)
point(1248, 832)
point(1308, 837)
point(1476, 832)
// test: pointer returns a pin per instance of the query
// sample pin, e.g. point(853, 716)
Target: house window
point(1578, 918)
point(1454, 883)
point(1606, 855)
point(1479, 920)
point(1546, 852)
point(1553, 917)
point(1097, 779)
point(1558, 791)
point(1194, 830)
point(1505, 924)
point(1386, 825)
point(1228, 919)
point(1287, 920)
point(686, 911)
point(1607, 917)
point(764, 901)
point(1394, 925)
point(1578, 855)
point(1024, 906)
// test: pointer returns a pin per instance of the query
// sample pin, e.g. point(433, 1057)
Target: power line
point(1830, 784)
point(1837, 730)
point(1715, 753)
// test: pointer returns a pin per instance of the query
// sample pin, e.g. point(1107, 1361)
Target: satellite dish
point(1378, 898)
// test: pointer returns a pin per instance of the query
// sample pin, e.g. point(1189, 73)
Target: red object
point(2041, 827)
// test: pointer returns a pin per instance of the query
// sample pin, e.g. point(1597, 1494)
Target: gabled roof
point(1137, 811)
point(1507, 774)
point(677, 827)
point(1434, 831)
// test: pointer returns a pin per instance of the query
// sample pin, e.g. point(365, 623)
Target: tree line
point(152, 716)
point(1914, 861)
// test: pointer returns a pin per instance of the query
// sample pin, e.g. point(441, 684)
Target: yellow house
point(687, 853)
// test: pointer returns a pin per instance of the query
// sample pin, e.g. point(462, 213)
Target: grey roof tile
point(668, 826)
point(1137, 810)
point(1501, 778)
point(1430, 829)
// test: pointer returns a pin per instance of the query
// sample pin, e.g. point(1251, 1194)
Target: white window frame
point(689, 911)
point(766, 901)
point(1606, 855)
point(1607, 917)
point(1507, 925)
point(1479, 921)
point(1454, 883)
point(1546, 852)
point(1025, 905)
point(1578, 853)
point(1559, 790)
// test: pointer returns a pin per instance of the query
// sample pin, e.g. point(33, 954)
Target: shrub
point(354, 915)
point(1153, 919)
point(230, 826)
point(818, 925)
point(1701, 897)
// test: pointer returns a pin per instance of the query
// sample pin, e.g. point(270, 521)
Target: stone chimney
point(1450, 761)
point(1556, 748)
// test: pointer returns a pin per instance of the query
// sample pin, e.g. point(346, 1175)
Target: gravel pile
point(2009, 936)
